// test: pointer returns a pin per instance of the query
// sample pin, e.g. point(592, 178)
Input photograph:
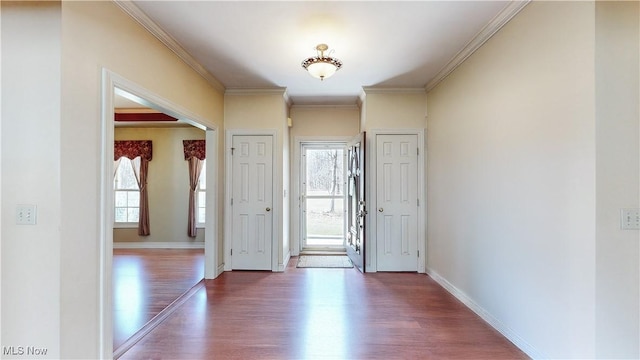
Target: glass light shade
point(321, 69)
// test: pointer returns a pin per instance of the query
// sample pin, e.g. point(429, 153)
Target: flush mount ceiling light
point(321, 66)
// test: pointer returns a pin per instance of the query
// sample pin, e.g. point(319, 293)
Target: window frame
point(116, 190)
point(203, 174)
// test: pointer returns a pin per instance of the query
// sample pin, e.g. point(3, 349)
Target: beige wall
point(618, 178)
point(394, 108)
point(61, 72)
point(324, 121)
point(167, 186)
point(30, 162)
point(532, 151)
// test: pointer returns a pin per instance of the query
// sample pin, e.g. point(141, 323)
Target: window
point(201, 193)
point(127, 193)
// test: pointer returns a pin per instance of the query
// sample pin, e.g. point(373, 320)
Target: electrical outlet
point(26, 215)
point(630, 219)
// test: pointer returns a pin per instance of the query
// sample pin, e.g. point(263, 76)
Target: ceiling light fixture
point(321, 66)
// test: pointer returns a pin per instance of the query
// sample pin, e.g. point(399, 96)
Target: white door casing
point(252, 202)
point(396, 202)
point(112, 83)
point(296, 189)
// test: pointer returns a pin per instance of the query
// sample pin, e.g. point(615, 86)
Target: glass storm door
point(356, 209)
point(322, 195)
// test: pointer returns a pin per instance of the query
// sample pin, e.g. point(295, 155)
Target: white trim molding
point(500, 20)
point(285, 262)
point(159, 245)
point(296, 172)
point(141, 18)
point(325, 106)
point(257, 91)
point(486, 316)
point(390, 90)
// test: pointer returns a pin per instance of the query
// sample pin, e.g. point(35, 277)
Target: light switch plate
point(26, 215)
point(630, 219)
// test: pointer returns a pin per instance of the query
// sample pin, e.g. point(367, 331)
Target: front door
point(397, 202)
point(251, 202)
point(356, 210)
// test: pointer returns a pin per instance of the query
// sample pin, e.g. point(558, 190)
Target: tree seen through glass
point(324, 195)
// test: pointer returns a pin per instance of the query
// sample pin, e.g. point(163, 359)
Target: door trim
point(296, 239)
point(111, 81)
point(277, 204)
point(371, 261)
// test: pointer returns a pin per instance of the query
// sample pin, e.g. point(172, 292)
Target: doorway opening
point(115, 86)
point(322, 195)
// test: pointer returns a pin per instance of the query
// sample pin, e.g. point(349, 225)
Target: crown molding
point(139, 16)
point(257, 91)
point(500, 20)
point(325, 106)
point(287, 99)
point(389, 90)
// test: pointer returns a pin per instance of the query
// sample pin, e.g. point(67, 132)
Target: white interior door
point(252, 190)
point(397, 202)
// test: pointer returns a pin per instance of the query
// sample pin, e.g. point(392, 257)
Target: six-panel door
point(252, 197)
point(397, 202)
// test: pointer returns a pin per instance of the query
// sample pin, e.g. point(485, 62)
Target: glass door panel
point(325, 222)
point(323, 201)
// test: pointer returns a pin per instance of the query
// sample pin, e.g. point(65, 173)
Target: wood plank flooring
point(145, 281)
point(322, 314)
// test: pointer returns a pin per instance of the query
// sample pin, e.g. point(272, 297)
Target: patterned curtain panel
point(132, 149)
point(194, 148)
point(194, 153)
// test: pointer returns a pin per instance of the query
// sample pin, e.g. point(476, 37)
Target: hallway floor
point(145, 281)
point(322, 314)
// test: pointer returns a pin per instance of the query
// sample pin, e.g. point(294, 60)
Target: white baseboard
point(486, 316)
point(158, 245)
point(285, 261)
point(220, 270)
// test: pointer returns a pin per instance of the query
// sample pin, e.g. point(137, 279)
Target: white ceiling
point(260, 44)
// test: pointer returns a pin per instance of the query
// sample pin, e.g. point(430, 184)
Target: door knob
point(380, 210)
point(268, 209)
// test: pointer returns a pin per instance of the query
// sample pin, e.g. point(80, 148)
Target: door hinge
point(418, 151)
point(231, 252)
point(418, 202)
point(418, 253)
point(232, 201)
point(232, 151)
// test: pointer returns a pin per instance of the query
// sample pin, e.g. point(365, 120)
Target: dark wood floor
point(145, 281)
point(322, 314)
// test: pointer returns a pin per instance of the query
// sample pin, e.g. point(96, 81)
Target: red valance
point(194, 148)
point(132, 149)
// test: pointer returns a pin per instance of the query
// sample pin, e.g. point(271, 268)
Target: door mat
point(321, 261)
